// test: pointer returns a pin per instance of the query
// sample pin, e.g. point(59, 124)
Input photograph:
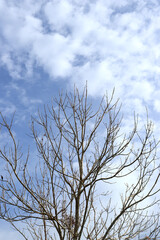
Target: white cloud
point(118, 43)
point(58, 13)
point(54, 56)
point(7, 108)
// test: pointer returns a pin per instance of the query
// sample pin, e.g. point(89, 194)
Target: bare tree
point(82, 154)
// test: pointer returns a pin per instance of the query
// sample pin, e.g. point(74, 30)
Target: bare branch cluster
point(81, 152)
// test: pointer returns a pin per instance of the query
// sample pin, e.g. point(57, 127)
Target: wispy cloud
point(106, 43)
point(119, 42)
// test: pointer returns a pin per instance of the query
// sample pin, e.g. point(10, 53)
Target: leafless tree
point(83, 154)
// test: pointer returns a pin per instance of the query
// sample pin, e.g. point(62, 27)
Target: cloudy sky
point(50, 45)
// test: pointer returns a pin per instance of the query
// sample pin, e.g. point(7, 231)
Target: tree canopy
point(66, 191)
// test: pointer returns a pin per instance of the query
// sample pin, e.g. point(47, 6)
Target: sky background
point(47, 46)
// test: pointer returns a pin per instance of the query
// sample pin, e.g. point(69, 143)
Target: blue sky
point(50, 45)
